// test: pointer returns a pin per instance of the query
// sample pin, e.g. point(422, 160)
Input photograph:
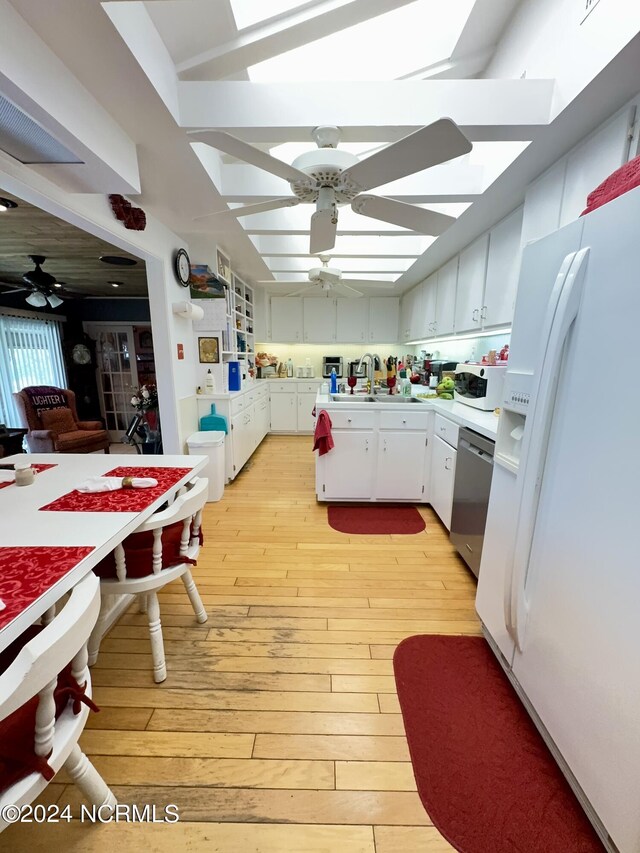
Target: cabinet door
point(239, 441)
point(443, 471)
point(406, 313)
point(446, 299)
point(418, 321)
point(383, 319)
point(263, 418)
point(284, 414)
point(352, 325)
point(348, 469)
point(306, 421)
point(429, 302)
point(401, 465)
point(286, 319)
point(319, 321)
point(503, 268)
point(472, 270)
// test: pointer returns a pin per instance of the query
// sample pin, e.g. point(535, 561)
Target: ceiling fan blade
point(300, 292)
point(363, 282)
point(248, 209)
point(436, 143)
point(249, 153)
point(15, 290)
point(323, 231)
point(348, 287)
point(403, 214)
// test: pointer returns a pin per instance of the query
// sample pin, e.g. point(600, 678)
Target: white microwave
point(479, 385)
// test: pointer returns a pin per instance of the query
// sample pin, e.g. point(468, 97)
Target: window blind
point(30, 354)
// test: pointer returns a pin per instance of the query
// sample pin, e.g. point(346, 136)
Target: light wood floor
point(278, 727)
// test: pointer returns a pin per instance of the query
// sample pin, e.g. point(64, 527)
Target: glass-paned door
point(117, 375)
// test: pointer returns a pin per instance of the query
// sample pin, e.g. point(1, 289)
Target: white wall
point(546, 38)
point(299, 353)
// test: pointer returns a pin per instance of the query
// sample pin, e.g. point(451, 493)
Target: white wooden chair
point(187, 508)
point(34, 673)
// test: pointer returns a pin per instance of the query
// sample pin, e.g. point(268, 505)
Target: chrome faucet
point(372, 360)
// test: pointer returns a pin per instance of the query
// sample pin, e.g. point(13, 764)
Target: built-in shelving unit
point(238, 337)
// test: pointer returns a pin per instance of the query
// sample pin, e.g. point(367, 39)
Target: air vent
point(23, 138)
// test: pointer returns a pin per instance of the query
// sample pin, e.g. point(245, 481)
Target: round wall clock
point(182, 267)
point(81, 354)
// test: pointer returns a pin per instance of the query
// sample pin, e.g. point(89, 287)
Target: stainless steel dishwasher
point(474, 469)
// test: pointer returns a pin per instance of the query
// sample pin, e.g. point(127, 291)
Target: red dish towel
point(625, 178)
point(322, 438)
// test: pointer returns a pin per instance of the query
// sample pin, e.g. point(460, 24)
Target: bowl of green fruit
point(445, 389)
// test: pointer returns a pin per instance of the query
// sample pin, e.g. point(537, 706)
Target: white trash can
point(210, 444)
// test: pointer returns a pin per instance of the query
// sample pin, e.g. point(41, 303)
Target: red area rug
point(372, 519)
point(484, 774)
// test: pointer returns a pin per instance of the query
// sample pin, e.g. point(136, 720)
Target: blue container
point(235, 378)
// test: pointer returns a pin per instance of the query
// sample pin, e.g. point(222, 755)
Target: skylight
point(250, 12)
point(383, 48)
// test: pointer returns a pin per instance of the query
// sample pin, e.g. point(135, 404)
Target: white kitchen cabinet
point(401, 464)
point(352, 324)
point(284, 412)
point(383, 319)
point(443, 472)
point(503, 268)
point(319, 317)
point(243, 437)
point(286, 319)
point(542, 204)
point(446, 297)
point(262, 418)
point(428, 307)
point(348, 469)
point(472, 271)
point(407, 308)
point(306, 402)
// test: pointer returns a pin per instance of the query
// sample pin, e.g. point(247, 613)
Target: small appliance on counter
point(479, 385)
point(332, 362)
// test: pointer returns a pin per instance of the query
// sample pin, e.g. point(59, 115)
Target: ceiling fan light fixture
point(118, 260)
point(38, 300)
point(115, 283)
point(57, 284)
point(53, 300)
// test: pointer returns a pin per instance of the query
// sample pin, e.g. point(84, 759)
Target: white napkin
point(111, 484)
point(2, 604)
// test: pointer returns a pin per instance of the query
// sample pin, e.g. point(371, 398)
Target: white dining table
point(24, 524)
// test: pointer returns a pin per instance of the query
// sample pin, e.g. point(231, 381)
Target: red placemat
point(37, 466)
point(27, 573)
point(122, 500)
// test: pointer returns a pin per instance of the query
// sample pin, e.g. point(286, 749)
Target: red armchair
point(67, 434)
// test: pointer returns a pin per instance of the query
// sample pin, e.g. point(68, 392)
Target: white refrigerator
point(559, 584)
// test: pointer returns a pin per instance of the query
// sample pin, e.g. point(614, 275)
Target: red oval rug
point(372, 519)
point(484, 774)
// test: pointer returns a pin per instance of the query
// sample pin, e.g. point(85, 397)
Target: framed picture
point(204, 284)
point(209, 350)
point(144, 339)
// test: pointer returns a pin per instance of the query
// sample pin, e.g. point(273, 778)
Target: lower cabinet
point(284, 412)
point(401, 466)
point(349, 468)
point(306, 403)
point(443, 472)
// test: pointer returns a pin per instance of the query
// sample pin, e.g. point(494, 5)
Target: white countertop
point(485, 423)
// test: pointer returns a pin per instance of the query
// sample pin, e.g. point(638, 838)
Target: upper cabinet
point(352, 321)
point(383, 319)
point(408, 308)
point(286, 319)
point(426, 325)
point(503, 268)
point(319, 321)
point(472, 271)
point(446, 298)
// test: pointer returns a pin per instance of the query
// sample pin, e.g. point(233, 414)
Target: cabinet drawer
point(282, 387)
point(446, 430)
point(238, 404)
point(352, 420)
point(404, 420)
point(308, 387)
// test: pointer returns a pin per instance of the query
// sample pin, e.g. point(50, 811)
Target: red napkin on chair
point(322, 438)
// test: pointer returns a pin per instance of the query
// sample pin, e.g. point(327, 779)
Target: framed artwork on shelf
point(224, 266)
point(209, 350)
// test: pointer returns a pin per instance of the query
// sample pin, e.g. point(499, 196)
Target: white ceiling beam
point(455, 181)
point(411, 246)
point(461, 68)
point(367, 111)
point(391, 264)
point(281, 34)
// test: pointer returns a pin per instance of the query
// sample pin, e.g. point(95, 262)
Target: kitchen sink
point(395, 398)
point(352, 398)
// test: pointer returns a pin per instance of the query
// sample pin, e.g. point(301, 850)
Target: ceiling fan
point(327, 177)
point(40, 286)
point(328, 279)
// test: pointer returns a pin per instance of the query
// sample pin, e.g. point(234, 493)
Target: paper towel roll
point(188, 310)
